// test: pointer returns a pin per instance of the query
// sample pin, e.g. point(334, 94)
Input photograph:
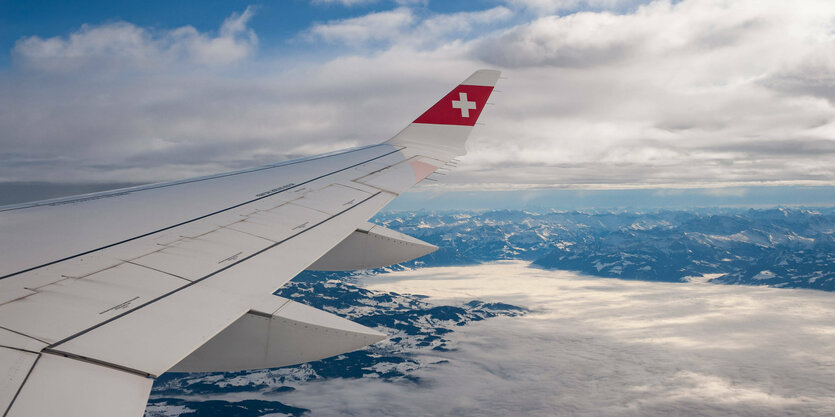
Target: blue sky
point(275, 22)
point(600, 94)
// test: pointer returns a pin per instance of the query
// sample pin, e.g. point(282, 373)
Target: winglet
point(447, 124)
point(464, 104)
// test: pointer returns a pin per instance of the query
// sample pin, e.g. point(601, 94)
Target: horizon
point(762, 197)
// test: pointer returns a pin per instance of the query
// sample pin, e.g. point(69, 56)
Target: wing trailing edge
point(372, 246)
point(279, 332)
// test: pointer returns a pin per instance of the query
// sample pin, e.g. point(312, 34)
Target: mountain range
point(776, 247)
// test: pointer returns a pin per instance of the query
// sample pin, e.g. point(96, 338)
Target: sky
point(598, 94)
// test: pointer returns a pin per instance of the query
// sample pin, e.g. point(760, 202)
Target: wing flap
point(279, 333)
point(372, 246)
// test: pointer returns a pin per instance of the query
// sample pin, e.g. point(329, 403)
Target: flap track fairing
point(372, 246)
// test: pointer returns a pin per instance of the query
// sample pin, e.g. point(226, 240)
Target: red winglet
point(460, 107)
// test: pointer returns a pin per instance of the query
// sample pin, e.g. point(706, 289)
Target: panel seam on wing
point(194, 219)
point(91, 328)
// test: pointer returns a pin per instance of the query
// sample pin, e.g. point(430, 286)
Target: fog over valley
point(583, 346)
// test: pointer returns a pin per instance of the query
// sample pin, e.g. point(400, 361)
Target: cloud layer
point(600, 94)
point(606, 347)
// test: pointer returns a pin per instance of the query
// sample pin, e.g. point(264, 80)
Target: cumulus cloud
point(117, 102)
point(127, 46)
point(665, 94)
point(350, 3)
point(552, 6)
point(577, 40)
point(672, 93)
point(371, 27)
point(402, 27)
point(344, 2)
point(604, 347)
point(461, 23)
point(813, 74)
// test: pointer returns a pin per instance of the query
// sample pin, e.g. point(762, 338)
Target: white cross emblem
point(463, 104)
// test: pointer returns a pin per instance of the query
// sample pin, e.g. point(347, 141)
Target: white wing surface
point(102, 293)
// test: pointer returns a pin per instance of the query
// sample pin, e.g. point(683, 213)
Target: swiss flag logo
point(461, 106)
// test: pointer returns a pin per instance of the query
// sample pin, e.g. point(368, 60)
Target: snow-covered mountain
point(778, 247)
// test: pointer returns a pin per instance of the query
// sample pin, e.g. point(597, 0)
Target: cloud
point(666, 94)
point(347, 3)
point(727, 192)
point(602, 347)
point(577, 40)
point(812, 75)
point(351, 3)
point(460, 24)
point(126, 46)
point(371, 27)
point(402, 27)
point(553, 6)
point(671, 93)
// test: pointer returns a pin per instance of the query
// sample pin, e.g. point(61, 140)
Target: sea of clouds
point(593, 346)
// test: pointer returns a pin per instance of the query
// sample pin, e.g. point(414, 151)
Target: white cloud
point(402, 27)
point(459, 24)
point(594, 346)
point(552, 6)
point(378, 26)
point(347, 3)
point(351, 3)
point(601, 347)
point(577, 40)
point(126, 46)
point(687, 94)
point(670, 94)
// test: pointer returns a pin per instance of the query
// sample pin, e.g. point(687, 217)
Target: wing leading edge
point(101, 293)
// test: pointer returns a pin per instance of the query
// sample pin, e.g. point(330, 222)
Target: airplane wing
point(102, 293)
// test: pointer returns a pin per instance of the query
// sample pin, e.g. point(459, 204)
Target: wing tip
point(483, 77)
